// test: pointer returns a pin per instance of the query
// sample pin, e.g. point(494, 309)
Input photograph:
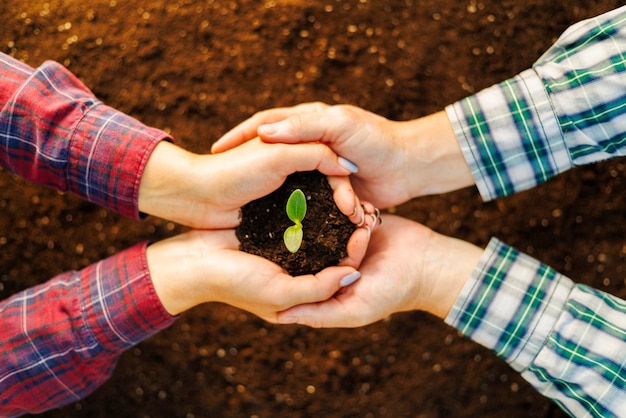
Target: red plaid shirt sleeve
point(53, 131)
point(61, 340)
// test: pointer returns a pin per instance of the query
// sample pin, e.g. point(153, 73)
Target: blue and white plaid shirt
point(568, 340)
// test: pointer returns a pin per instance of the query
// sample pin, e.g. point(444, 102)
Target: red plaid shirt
point(61, 340)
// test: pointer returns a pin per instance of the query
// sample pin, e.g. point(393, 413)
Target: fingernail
point(350, 278)
point(362, 221)
point(268, 129)
point(357, 205)
point(348, 165)
point(287, 319)
point(375, 218)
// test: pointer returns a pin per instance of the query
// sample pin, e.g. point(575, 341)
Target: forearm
point(567, 340)
point(61, 340)
point(53, 131)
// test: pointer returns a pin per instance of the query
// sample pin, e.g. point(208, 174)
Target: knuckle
point(318, 106)
point(296, 122)
point(344, 111)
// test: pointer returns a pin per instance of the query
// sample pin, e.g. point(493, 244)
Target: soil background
point(197, 68)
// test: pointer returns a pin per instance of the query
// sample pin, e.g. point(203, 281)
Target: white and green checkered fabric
point(568, 340)
point(568, 110)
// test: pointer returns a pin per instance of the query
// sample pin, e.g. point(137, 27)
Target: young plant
point(296, 210)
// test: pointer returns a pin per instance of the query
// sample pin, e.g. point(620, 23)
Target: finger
point(319, 287)
point(303, 127)
point(343, 194)
point(347, 201)
point(248, 129)
point(356, 248)
point(328, 314)
point(372, 216)
point(243, 132)
point(333, 125)
point(309, 157)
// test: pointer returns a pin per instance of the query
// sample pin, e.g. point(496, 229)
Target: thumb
point(312, 156)
point(321, 286)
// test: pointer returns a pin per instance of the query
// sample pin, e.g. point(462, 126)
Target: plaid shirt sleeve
point(61, 340)
point(568, 110)
point(53, 131)
point(567, 340)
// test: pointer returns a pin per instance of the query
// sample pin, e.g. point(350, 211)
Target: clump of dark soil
point(326, 229)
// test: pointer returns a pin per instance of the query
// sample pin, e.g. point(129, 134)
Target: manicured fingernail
point(268, 129)
point(349, 279)
point(348, 165)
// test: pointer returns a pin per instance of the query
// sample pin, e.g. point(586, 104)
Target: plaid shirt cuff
point(119, 301)
point(510, 136)
point(107, 158)
point(62, 339)
point(53, 131)
point(510, 304)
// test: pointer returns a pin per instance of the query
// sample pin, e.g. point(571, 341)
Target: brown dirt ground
point(197, 68)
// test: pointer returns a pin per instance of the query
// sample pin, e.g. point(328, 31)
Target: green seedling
point(296, 210)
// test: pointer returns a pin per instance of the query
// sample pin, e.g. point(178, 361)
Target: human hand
point(207, 191)
point(206, 266)
point(407, 267)
point(397, 160)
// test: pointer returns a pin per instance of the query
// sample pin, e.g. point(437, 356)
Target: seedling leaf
point(296, 206)
point(293, 237)
point(296, 210)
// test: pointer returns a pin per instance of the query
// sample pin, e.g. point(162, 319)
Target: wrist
point(436, 160)
point(451, 262)
point(172, 265)
point(161, 190)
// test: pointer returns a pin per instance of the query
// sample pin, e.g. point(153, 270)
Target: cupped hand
point(396, 161)
point(208, 191)
point(367, 140)
point(407, 267)
point(206, 266)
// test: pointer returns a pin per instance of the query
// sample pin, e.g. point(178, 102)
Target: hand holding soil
point(329, 236)
point(401, 159)
point(206, 191)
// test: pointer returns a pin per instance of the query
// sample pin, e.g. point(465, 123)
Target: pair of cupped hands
point(397, 267)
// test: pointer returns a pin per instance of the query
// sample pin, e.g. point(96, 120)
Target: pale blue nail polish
point(349, 279)
point(348, 165)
